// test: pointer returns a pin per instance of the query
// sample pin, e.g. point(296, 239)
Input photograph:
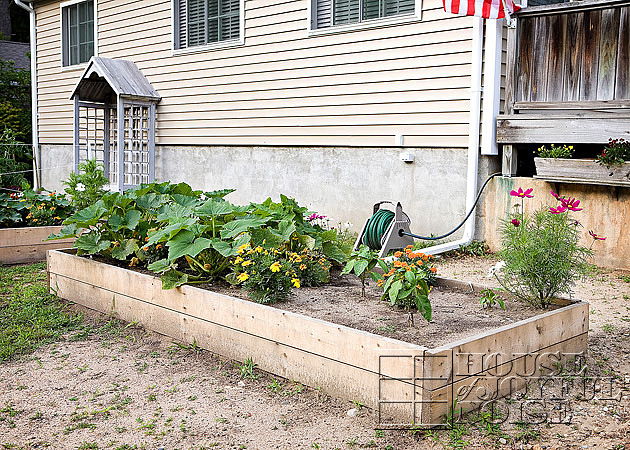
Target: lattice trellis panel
point(91, 133)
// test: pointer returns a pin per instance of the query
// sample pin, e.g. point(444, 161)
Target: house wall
point(282, 87)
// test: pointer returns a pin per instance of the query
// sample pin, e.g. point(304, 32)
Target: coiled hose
point(378, 224)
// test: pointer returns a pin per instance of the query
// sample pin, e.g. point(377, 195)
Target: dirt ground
point(117, 386)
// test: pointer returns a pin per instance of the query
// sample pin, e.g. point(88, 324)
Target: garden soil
point(117, 386)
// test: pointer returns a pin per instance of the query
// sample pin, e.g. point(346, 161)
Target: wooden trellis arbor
point(114, 121)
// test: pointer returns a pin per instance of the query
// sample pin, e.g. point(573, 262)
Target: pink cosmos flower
point(515, 222)
point(555, 195)
point(570, 203)
point(595, 236)
point(315, 216)
point(521, 193)
point(559, 210)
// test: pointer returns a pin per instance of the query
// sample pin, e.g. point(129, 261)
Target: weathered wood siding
point(574, 57)
point(282, 87)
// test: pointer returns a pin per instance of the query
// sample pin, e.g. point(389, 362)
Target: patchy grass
point(29, 316)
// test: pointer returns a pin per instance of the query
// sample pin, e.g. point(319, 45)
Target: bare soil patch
point(117, 386)
point(457, 313)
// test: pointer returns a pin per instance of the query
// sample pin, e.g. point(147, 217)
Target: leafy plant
point(405, 285)
point(421, 261)
point(15, 159)
point(489, 298)
point(615, 153)
point(15, 100)
point(194, 234)
point(247, 369)
point(30, 208)
point(310, 266)
point(265, 274)
point(86, 187)
point(361, 262)
point(555, 151)
point(542, 254)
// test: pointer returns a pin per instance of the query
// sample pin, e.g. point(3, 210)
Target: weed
point(192, 398)
point(379, 433)
point(387, 328)
point(489, 298)
point(221, 420)
point(192, 348)
point(275, 386)
point(247, 369)
point(88, 446)
point(608, 328)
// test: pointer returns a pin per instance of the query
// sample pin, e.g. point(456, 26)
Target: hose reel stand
point(384, 230)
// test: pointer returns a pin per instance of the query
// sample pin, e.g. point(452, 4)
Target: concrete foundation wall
point(605, 211)
point(341, 183)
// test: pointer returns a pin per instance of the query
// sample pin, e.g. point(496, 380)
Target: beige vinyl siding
point(282, 87)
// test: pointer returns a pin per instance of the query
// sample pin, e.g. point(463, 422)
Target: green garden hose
point(376, 227)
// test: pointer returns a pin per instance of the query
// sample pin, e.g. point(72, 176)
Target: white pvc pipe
point(492, 86)
point(473, 141)
point(34, 103)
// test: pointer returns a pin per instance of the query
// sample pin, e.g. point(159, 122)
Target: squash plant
point(195, 234)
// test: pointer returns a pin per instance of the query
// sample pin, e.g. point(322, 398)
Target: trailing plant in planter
point(542, 254)
point(615, 154)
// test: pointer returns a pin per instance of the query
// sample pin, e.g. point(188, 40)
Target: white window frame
point(378, 22)
point(63, 5)
point(211, 45)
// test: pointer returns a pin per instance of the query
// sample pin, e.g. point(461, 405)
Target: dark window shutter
point(323, 14)
point(345, 11)
point(196, 22)
point(180, 25)
point(372, 9)
point(394, 7)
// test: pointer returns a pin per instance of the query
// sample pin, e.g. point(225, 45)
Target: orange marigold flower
point(409, 247)
point(397, 264)
point(398, 254)
point(420, 263)
point(433, 269)
point(159, 246)
point(146, 239)
point(425, 257)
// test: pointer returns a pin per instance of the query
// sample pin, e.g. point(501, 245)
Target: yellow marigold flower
point(275, 267)
point(40, 207)
point(295, 282)
point(246, 263)
point(242, 277)
point(302, 266)
point(134, 262)
point(242, 248)
point(34, 220)
point(259, 249)
point(207, 266)
point(52, 208)
point(238, 260)
point(57, 218)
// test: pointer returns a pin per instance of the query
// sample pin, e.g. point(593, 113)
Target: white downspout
point(473, 141)
point(34, 103)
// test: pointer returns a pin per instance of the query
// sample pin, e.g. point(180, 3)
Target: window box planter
point(587, 171)
point(28, 244)
point(405, 382)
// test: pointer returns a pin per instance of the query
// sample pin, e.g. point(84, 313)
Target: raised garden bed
point(408, 383)
point(28, 244)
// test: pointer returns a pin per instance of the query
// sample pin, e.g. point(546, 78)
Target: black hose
point(435, 238)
